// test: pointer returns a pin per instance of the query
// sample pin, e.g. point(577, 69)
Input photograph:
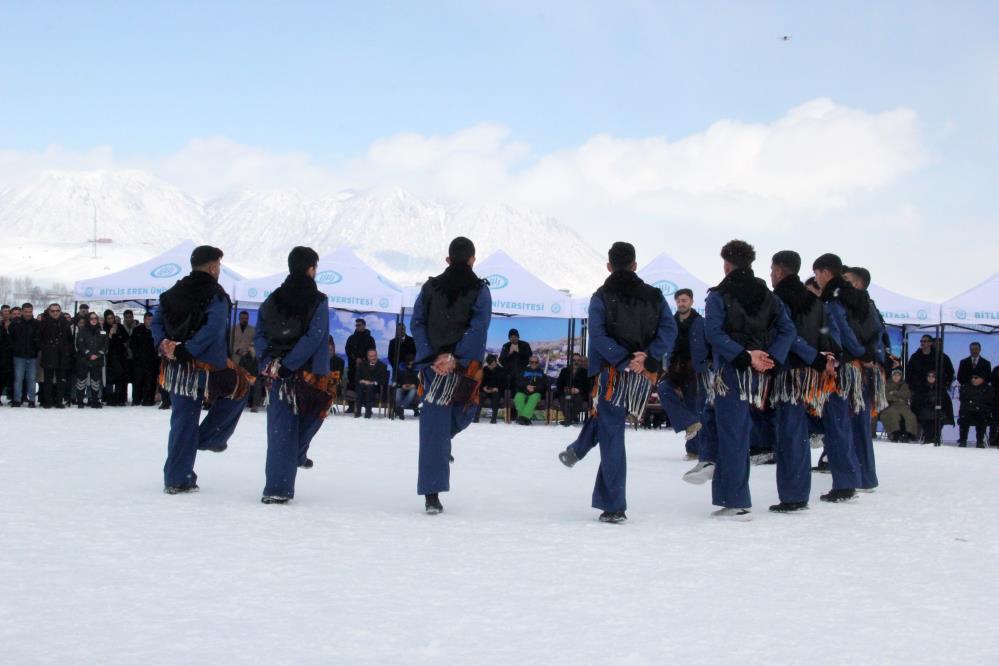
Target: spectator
point(125, 328)
point(372, 377)
point(91, 349)
point(407, 379)
point(494, 383)
point(115, 360)
point(24, 348)
point(976, 408)
point(572, 391)
point(358, 345)
point(145, 362)
point(514, 357)
point(929, 399)
point(922, 362)
point(531, 386)
point(55, 342)
point(336, 367)
point(400, 347)
point(6, 355)
point(994, 430)
point(899, 421)
point(242, 353)
point(969, 365)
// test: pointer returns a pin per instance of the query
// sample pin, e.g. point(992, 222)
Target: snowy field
point(97, 565)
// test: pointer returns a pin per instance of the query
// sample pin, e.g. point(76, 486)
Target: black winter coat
point(117, 354)
point(24, 338)
point(143, 347)
point(55, 341)
point(976, 400)
point(358, 345)
point(91, 341)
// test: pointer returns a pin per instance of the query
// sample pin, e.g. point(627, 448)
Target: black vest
point(752, 330)
point(447, 322)
point(866, 329)
point(284, 330)
point(810, 324)
point(633, 320)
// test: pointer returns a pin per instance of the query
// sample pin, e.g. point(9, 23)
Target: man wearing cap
point(976, 408)
point(450, 322)
point(189, 329)
point(515, 355)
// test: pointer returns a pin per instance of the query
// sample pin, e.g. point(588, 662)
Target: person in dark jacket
point(145, 362)
point(293, 354)
point(24, 348)
point(678, 393)
point(975, 362)
point(994, 429)
point(931, 419)
point(358, 344)
point(189, 330)
point(924, 360)
point(494, 383)
point(450, 322)
point(372, 380)
point(116, 365)
point(6, 355)
point(899, 422)
point(976, 408)
point(531, 388)
point(400, 347)
point(632, 331)
point(55, 342)
point(407, 381)
point(91, 348)
point(572, 388)
point(514, 356)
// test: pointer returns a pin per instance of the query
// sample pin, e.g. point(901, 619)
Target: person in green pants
point(531, 386)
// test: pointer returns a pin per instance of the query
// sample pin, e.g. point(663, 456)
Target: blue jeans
point(24, 368)
point(404, 398)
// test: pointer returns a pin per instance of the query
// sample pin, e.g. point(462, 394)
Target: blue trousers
point(838, 437)
point(793, 453)
point(862, 443)
point(288, 439)
point(682, 412)
point(707, 438)
point(25, 369)
point(730, 484)
point(764, 432)
point(607, 430)
point(187, 435)
point(438, 425)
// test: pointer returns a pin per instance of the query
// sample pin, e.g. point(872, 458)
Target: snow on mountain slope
point(400, 234)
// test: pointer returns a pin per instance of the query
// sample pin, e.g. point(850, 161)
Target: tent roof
point(978, 305)
point(516, 291)
point(900, 310)
point(349, 282)
point(668, 276)
point(148, 279)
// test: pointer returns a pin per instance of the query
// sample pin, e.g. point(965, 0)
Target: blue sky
point(532, 84)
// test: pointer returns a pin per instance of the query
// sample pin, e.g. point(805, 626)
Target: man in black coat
point(924, 360)
point(358, 345)
point(372, 377)
point(145, 362)
point(494, 383)
point(55, 342)
point(400, 347)
point(24, 348)
point(573, 388)
point(514, 357)
point(6, 354)
point(973, 363)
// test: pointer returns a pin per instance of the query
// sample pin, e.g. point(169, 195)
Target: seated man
point(976, 408)
point(372, 375)
point(898, 419)
point(573, 390)
point(494, 382)
point(531, 387)
point(407, 379)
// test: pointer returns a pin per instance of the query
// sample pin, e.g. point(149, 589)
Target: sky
point(871, 132)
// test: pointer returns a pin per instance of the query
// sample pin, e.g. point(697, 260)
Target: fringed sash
point(879, 387)
point(460, 387)
point(308, 393)
point(629, 390)
point(851, 384)
point(231, 382)
point(706, 383)
point(183, 378)
point(803, 385)
point(754, 387)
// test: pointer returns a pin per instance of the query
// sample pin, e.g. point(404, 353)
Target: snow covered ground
point(97, 565)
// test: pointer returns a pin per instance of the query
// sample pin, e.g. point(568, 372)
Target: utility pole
point(95, 229)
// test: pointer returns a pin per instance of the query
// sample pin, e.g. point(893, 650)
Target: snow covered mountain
point(399, 234)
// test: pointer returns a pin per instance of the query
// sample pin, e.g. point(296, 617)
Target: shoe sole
point(275, 500)
point(700, 477)
point(745, 518)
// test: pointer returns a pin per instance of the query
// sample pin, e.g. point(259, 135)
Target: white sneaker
point(742, 515)
point(865, 490)
point(692, 430)
point(700, 473)
point(817, 441)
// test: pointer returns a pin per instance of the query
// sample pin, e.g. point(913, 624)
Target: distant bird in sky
point(785, 38)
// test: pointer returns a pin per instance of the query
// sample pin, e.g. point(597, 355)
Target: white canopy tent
point(976, 308)
point(349, 283)
point(668, 276)
point(147, 280)
point(900, 310)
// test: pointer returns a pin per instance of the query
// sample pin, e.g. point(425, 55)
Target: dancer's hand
point(760, 360)
point(637, 362)
point(167, 348)
point(444, 364)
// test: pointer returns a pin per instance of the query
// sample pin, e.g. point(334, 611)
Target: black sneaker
point(177, 490)
point(164, 405)
point(15, 404)
point(274, 499)
point(839, 495)
point(416, 411)
point(307, 464)
point(214, 449)
point(613, 517)
point(962, 444)
point(789, 507)
point(31, 404)
point(433, 504)
point(568, 457)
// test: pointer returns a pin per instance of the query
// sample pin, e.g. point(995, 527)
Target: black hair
point(829, 262)
point(27, 305)
point(739, 253)
point(683, 292)
point(976, 343)
point(128, 312)
point(621, 256)
point(461, 250)
point(301, 259)
point(205, 254)
point(788, 260)
point(862, 273)
point(244, 312)
point(490, 358)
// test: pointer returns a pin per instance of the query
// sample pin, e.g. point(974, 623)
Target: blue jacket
point(840, 331)
point(311, 352)
point(605, 350)
point(208, 343)
point(471, 347)
point(699, 349)
point(726, 350)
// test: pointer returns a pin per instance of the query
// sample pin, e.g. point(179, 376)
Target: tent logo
point(961, 314)
point(922, 315)
point(383, 303)
point(497, 281)
point(251, 292)
point(89, 291)
point(165, 271)
point(328, 277)
point(556, 308)
point(666, 286)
